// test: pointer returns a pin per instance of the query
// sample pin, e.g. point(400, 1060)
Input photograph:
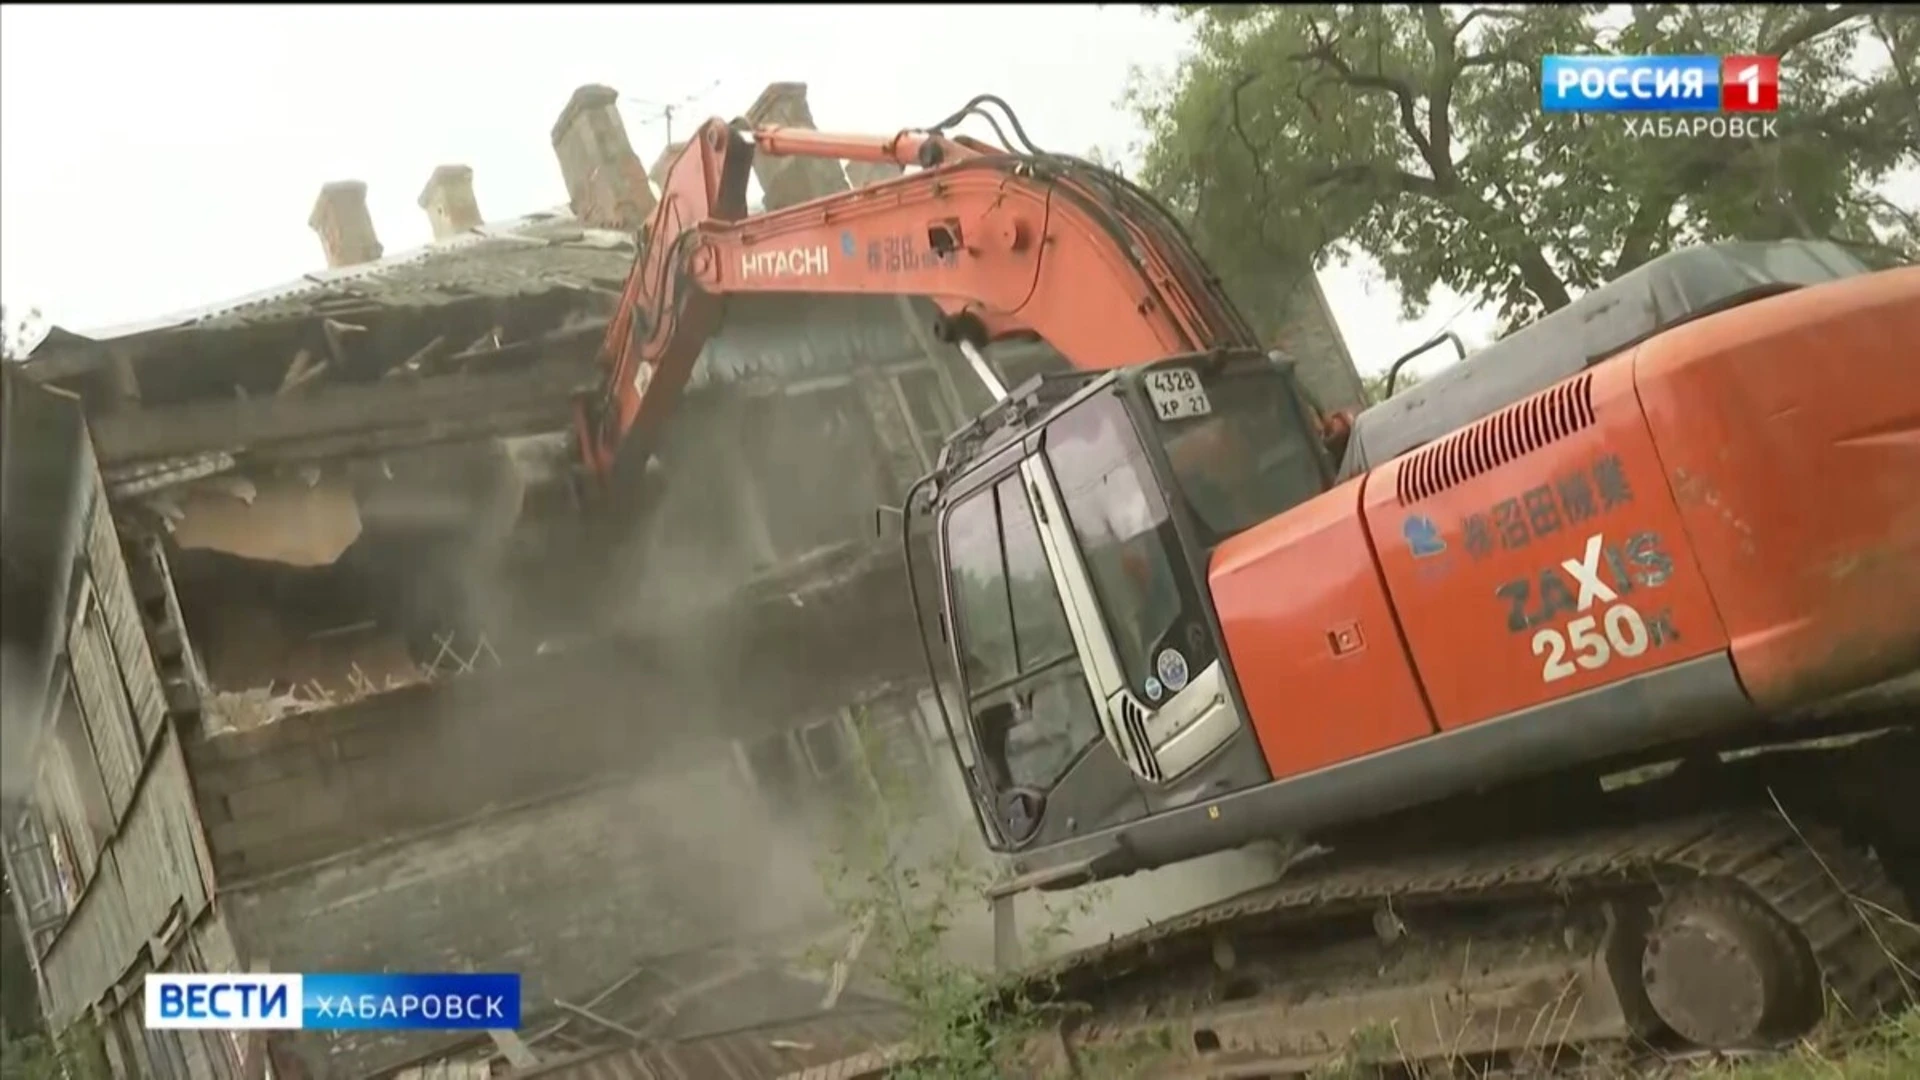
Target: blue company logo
point(1630, 84)
point(1172, 668)
point(847, 245)
point(1422, 536)
point(334, 1002)
point(247, 1002)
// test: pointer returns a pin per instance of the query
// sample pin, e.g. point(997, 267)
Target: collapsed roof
point(490, 330)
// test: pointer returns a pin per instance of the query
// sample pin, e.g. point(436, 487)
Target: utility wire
point(666, 110)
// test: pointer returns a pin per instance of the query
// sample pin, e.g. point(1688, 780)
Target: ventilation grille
point(1518, 429)
point(1133, 728)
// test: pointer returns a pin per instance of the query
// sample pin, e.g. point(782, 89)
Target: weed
point(75, 1054)
point(907, 880)
point(1888, 1051)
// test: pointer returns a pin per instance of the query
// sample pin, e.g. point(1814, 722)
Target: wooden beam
point(334, 420)
point(412, 365)
point(600, 1021)
point(511, 1048)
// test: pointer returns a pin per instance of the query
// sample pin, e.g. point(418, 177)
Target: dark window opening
point(817, 460)
point(775, 770)
point(76, 747)
point(827, 747)
point(34, 875)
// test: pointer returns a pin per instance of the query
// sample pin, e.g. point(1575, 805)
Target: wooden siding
point(151, 867)
point(114, 595)
point(103, 701)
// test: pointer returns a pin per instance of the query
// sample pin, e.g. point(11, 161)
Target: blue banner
point(409, 1002)
point(1630, 84)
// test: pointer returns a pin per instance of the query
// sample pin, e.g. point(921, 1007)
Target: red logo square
point(1749, 84)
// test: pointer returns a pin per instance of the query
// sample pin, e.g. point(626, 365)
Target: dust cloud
point(640, 686)
point(19, 701)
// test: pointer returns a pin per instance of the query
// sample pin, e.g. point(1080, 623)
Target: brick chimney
point(346, 229)
point(605, 182)
point(787, 181)
point(658, 174)
point(449, 203)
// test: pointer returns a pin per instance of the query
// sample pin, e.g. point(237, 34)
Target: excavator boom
point(1003, 243)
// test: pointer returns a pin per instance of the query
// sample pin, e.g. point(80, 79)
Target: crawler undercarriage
point(1727, 903)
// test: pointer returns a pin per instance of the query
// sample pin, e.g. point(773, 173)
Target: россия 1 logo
point(1660, 84)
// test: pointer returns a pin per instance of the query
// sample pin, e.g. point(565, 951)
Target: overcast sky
point(157, 158)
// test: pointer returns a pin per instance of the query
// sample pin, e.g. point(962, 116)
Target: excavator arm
point(1002, 243)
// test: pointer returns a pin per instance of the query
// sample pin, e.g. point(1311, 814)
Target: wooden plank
point(154, 852)
point(103, 701)
point(512, 1048)
point(600, 1021)
point(387, 414)
point(127, 631)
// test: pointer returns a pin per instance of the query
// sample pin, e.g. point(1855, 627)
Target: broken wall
point(325, 784)
point(808, 414)
point(805, 415)
point(573, 890)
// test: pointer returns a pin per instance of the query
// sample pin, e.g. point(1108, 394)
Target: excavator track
point(1723, 930)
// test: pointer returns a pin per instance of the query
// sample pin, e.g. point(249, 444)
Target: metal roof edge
point(503, 232)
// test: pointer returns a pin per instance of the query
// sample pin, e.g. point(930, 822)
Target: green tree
point(1414, 133)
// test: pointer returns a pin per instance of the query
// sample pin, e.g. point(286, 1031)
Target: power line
point(666, 110)
point(1451, 319)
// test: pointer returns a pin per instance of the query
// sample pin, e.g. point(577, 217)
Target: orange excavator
point(1582, 676)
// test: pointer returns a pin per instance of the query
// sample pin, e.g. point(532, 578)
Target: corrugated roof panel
point(524, 256)
point(772, 337)
point(448, 1070)
point(506, 267)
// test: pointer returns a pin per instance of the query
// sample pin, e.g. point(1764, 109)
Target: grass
point(1890, 1051)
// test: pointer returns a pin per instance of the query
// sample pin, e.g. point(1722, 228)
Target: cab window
point(1031, 712)
point(1125, 533)
point(1247, 459)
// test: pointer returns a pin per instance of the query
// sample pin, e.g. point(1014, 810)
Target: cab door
point(1042, 761)
point(1140, 609)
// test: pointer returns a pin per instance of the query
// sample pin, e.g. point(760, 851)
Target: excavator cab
point(1073, 522)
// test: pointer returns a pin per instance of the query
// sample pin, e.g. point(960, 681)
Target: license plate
point(1176, 394)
